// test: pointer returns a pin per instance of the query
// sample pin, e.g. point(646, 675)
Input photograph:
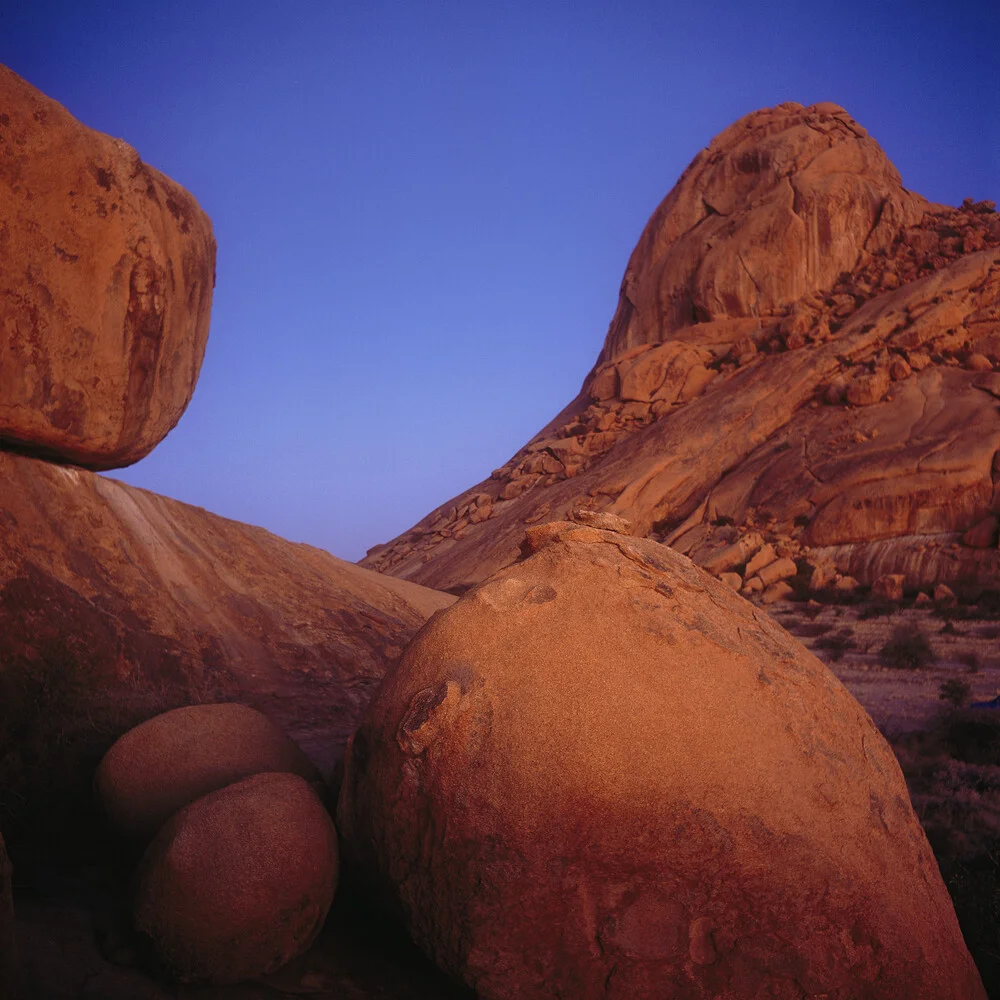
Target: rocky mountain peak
point(774, 209)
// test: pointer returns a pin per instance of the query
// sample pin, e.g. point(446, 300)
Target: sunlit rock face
point(804, 353)
point(106, 276)
point(775, 208)
point(603, 774)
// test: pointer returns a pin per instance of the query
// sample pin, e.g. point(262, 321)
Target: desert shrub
point(877, 608)
point(955, 692)
point(970, 658)
point(954, 781)
point(837, 644)
point(908, 649)
point(810, 630)
point(949, 629)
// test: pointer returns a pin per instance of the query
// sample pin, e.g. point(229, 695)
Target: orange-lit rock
point(832, 401)
point(603, 774)
point(106, 276)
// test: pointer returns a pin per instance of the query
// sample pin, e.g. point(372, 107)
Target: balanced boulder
point(172, 759)
point(239, 882)
point(106, 276)
point(603, 774)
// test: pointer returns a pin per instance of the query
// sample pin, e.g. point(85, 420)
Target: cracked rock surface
point(803, 350)
point(603, 774)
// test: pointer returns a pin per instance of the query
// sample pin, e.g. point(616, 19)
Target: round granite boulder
point(172, 759)
point(601, 773)
point(239, 882)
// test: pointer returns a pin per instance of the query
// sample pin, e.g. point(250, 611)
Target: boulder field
point(804, 354)
point(117, 604)
point(602, 774)
point(106, 276)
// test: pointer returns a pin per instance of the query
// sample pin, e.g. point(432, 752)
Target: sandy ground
point(900, 700)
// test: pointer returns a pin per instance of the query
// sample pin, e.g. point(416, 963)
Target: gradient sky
point(424, 209)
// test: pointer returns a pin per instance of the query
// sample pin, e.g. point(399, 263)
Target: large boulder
point(603, 774)
point(106, 276)
point(172, 759)
point(239, 882)
point(117, 605)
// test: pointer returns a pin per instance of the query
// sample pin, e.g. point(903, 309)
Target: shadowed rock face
point(802, 348)
point(117, 604)
point(106, 276)
point(601, 774)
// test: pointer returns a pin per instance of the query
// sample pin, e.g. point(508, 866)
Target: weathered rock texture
point(804, 352)
point(239, 882)
point(172, 759)
point(117, 604)
point(106, 276)
point(603, 774)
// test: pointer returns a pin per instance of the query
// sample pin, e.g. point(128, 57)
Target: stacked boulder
point(602, 774)
point(116, 603)
point(106, 274)
point(241, 863)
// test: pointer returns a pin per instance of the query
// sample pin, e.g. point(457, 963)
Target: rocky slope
point(116, 604)
point(106, 276)
point(805, 355)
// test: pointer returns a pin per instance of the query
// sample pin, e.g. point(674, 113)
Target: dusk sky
point(424, 209)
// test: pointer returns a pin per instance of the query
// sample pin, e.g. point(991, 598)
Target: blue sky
point(424, 209)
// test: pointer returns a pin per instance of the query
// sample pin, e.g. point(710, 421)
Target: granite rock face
point(602, 774)
point(804, 355)
point(106, 276)
point(239, 882)
point(775, 208)
point(117, 604)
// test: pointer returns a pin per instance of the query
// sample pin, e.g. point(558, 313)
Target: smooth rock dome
point(239, 882)
point(174, 758)
point(601, 774)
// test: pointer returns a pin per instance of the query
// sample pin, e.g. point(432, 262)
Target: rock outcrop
point(106, 276)
point(117, 604)
point(239, 882)
point(805, 355)
point(172, 759)
point(602, 774)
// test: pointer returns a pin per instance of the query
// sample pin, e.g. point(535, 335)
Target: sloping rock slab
point(117, 604)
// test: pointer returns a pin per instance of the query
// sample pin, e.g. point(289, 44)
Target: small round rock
point(238, 883)
point(172, 759)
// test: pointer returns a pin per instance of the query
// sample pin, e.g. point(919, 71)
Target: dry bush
point(908, 649)
point(836, 645)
